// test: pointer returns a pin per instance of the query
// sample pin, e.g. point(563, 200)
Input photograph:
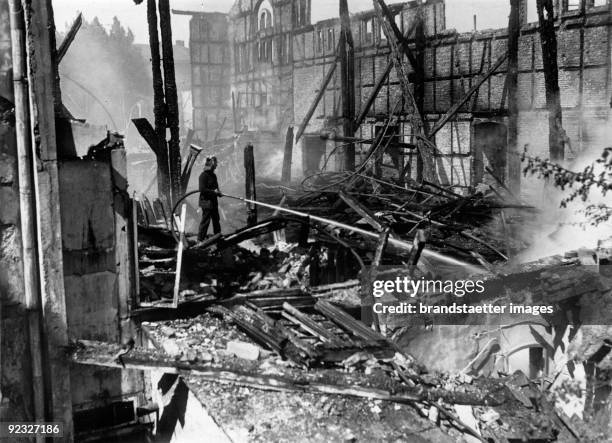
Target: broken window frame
point(368, 35)
point(330, 39)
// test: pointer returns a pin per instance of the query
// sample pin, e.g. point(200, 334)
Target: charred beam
point(61, 51)
point(249, 181)
point(514, 29)
point(347, 83)
point(398, 49)
point(172, 108)
point(548, 38)
point(158, 144)
point(288, 156)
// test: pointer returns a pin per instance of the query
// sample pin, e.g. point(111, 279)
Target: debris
point(243, 350)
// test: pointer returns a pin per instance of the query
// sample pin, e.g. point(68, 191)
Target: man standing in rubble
point(209, 191)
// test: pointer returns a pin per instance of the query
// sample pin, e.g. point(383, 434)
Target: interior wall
point(94, 298)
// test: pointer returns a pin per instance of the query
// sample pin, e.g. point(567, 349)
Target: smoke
point(557, 230)
point(105, 77)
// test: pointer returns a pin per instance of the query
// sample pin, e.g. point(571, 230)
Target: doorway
point(490, 149)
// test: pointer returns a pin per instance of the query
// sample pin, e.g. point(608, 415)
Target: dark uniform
point(209, 204)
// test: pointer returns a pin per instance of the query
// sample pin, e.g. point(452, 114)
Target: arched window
point(265, 19)
point(264, 15)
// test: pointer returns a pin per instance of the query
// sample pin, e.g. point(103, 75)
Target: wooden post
point(179, 255)
point(121, 206)
point(513, 159)
point(135, 262)
point(234, 114)
point(548, 38)
point(172, 108)
point(288, 156)
point(158, 143)
point(419, 81)
point(249, 181)
point(347, 84)
point(50, 256)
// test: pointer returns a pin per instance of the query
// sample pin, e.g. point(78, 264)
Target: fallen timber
point(394, 241)
point(249, 374)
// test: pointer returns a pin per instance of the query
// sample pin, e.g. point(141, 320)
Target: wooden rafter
point(399, 47)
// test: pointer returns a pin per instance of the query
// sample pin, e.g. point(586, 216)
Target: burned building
point(279, 59)
point(120, 323)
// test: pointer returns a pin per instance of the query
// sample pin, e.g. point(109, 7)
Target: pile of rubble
point(278, 302)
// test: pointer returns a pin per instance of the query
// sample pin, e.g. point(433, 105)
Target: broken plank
point(380, 247)
point(348, 323)
point(364, 212)
point(299, 318)
point(179, 255)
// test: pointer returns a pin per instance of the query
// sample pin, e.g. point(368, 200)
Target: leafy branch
point(580, 183)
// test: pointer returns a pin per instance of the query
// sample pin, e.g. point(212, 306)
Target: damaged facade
point(278, 58)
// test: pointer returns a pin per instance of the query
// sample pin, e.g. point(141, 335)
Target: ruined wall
point(261, 35)
point(453, 62)
point(210, 75)
point(96, 299)
point(274, 85)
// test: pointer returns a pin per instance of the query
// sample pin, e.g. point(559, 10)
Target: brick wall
point(291, 77)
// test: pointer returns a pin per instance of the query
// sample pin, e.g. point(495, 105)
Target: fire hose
point(394, 241)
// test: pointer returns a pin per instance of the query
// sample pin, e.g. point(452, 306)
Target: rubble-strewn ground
point(282, 379)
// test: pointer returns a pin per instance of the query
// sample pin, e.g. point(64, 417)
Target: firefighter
point(209, 191)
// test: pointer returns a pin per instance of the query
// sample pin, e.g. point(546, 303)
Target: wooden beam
point(299, 318)
point(548, 38)
point(159, 106)
point(380, 247)
point(364, 212)
point(135, 261)
point(122, 206)
point(171, 95)
point(179, 255)
point(287, 156)
point(347, 84)
point(234, 114)
point(513, 159)
point(398, 49)
point(419, 85)
point(373, 94)
point(348, 323)
point(455, 108)
point(104, 354)
point(61, 51)
point(318, 96)
point(249, 182)
point(149, 134)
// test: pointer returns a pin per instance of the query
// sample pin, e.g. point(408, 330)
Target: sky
point(459, 13)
